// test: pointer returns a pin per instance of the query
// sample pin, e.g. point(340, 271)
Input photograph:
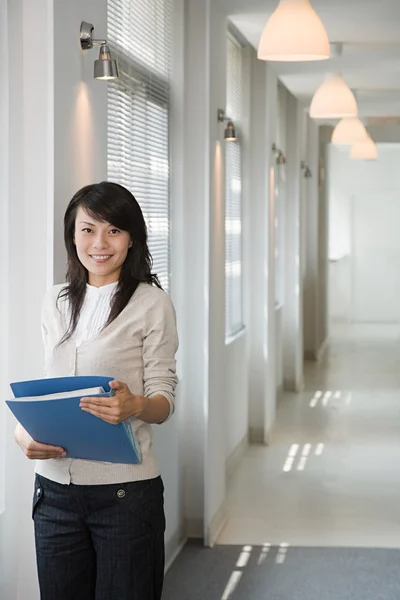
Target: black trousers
point(99, 542)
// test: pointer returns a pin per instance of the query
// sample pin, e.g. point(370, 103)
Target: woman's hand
point(34, 450)
point(117, 408)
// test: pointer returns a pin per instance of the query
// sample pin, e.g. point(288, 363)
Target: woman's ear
point(130, 244)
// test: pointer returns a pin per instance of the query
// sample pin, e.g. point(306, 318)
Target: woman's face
point(101, 248)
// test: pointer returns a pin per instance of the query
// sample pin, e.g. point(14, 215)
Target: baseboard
point(322, 349)
point(256, 435)
point(235, 458)
point(316, 355)
point(217, 524)
point(280, 392)
point(194, 528)
point(173, 548)
point(293, 386)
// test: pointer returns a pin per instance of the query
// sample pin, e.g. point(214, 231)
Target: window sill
point(232, 338)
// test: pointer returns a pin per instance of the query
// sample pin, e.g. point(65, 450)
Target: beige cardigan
point(138, 348)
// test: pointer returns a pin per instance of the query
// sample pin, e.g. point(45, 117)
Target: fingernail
point(63, 454)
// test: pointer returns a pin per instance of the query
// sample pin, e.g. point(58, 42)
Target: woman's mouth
point(101, 258)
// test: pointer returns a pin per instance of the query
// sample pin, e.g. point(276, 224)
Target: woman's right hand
point(34, 450)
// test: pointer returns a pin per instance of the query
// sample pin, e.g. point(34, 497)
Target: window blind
point(233, 195)
point(139, 33)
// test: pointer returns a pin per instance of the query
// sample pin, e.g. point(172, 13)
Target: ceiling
point(370, 61)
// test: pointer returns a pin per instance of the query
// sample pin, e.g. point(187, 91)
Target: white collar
point(104, 290)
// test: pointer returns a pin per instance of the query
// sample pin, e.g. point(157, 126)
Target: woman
point(99, 527)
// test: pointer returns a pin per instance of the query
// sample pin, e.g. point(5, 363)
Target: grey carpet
point(306, 574)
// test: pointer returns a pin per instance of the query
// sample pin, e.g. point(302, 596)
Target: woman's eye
point(87, 230)
point(114, 231)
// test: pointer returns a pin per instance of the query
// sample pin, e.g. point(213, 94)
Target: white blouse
point(94, 313)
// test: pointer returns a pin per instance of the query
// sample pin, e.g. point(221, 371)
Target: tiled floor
point(331, 476)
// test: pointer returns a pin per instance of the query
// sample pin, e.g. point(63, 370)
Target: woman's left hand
point(115, 409)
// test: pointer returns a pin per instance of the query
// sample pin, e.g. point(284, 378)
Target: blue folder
point(61, 422)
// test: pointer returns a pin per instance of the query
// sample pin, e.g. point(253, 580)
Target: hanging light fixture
point(349, 131)
point(333, 99)
point(365, 150)
point(294, 32)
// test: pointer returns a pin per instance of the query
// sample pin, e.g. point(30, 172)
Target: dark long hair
point(114, 204)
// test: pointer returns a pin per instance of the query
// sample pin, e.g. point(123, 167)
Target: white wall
point(29, 254)
point(5, 443)
point(4, 260)
point(80, 113)
point(364, 242)
point(236, 402)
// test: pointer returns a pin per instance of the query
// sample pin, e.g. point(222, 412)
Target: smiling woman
point(111, 317)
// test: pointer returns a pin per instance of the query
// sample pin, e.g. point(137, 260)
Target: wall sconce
point(230, 132)
point(306, 169)
point(105, 67)
point(280, 157)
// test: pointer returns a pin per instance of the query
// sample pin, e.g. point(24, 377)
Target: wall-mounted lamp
point(105, 67)
point(306, 169)
point(279, 156)
point(230, 132)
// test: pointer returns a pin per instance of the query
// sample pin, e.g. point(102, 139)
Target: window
point(139, 32)
point(233, 195)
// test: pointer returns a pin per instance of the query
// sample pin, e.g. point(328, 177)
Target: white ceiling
point(370, 60)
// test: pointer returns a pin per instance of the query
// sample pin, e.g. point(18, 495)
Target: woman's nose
point(100, 241)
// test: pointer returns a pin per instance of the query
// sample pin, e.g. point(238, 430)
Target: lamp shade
point(294, 32)
point(230, 132)
point(365, 150)
point(333, 100)
point(349, 131)
point(105, 67)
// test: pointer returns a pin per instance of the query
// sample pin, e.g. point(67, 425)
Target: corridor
point(316, 515)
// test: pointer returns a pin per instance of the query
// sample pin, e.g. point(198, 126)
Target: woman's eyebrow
point(94, 225)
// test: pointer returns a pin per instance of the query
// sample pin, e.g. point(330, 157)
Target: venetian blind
point(233, 198)
point(139, 33)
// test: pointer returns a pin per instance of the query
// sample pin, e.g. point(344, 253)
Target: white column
point(293, 308)
point(325, 134)
point(261, 292)
point(29, 257)
point(311, 212)
point(195, 296)
point(272, 113)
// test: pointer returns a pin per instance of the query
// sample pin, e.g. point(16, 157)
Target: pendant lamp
point(349, 131)
point(333, 99)
point(294, 32)
point(365, 150)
